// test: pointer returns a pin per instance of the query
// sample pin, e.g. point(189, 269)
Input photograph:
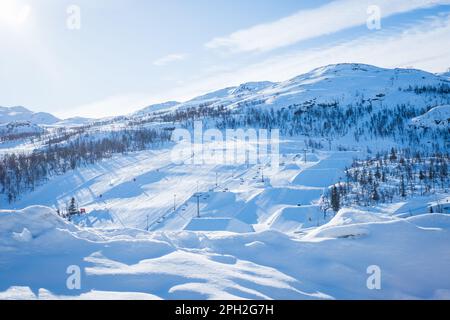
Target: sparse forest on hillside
point(392, 176)
point(23, 172)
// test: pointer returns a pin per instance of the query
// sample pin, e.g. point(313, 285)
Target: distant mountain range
point(340, 83)
point(21, 115)
point(11, 114)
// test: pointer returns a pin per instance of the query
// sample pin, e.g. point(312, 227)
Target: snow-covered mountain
point(9, 114)
point(341, 83)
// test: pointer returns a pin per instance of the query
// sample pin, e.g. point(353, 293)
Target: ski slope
point(253, 240)
point(158, 229)
point(146, 190)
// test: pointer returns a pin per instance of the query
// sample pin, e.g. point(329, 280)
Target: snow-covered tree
point(72, 208)
point(335, 199)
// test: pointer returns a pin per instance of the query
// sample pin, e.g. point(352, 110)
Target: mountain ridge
point(336, 82)
point(19, 113)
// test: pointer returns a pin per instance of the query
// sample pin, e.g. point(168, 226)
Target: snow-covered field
point(326, 263)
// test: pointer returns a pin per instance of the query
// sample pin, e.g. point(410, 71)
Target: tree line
point(20, 172)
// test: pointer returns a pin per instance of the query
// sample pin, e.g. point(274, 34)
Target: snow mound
point(219, 224)
point(349, 223)
point(292, 219)
point(353, 216)
point(30, 223)
point(432, 220)
point(39, 226)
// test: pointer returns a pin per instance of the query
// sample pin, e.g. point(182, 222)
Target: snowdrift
point(328, 263)
point(348, 223)
point(219, 224)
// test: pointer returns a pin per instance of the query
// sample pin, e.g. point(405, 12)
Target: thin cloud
point(419, 46)
point(169, 59)
point(307, 24)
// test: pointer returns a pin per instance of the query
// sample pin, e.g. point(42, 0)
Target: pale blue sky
point(129, 54)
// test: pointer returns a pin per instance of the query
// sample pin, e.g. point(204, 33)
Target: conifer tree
point(72, 209)
point(335, 199)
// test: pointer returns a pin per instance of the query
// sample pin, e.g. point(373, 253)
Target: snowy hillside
point(341, 83)
point(436, 117)
point(22, 114)
point(20, 127)
point(156, 108)
point(73, 122)
point(358, 178)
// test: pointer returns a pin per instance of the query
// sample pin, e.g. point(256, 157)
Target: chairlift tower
point(198, 195)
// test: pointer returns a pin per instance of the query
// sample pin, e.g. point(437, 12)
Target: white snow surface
point(260, 234)
point(133, 264)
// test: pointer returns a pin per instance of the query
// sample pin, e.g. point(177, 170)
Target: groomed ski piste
point(259, 235)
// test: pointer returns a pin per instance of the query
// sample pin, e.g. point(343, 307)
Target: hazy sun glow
point(12, 14)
